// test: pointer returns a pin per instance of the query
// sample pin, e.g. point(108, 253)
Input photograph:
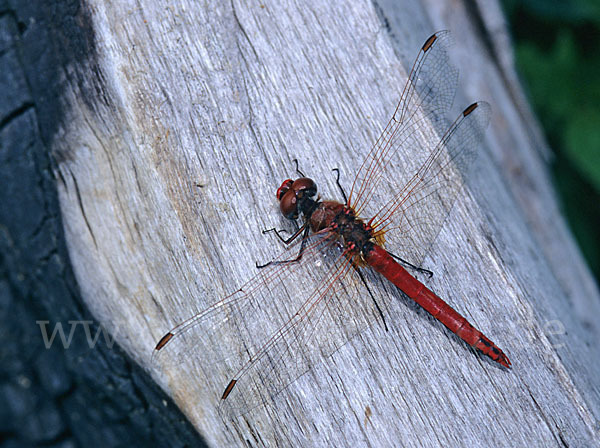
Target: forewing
point(427, 96)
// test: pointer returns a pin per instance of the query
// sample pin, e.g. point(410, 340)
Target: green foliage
point(565, 86)
point(558, 54)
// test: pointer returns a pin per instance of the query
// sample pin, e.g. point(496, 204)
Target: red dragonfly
point(272, 330)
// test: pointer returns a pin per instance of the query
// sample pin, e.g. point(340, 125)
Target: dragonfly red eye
point(305, 185)
point(285, 186)
point(289, 204)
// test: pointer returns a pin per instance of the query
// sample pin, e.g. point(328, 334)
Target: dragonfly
point(273, 329)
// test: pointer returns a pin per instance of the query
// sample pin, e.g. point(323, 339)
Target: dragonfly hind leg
point(362, 278)
point(416, 268)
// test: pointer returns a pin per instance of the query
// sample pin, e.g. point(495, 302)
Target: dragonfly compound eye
point(305, 185)
point(285, 186)
point(289, 204)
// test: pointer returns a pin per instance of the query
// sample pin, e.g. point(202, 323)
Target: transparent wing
point(274, 329)
point(413, 217)
point(427, 96)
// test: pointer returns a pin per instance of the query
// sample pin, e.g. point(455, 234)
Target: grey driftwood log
point(168, 174)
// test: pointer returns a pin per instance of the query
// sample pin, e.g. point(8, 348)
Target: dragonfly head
point(295, 195)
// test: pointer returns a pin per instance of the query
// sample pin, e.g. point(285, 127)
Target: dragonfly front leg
point(302, 230)
point(282, 239)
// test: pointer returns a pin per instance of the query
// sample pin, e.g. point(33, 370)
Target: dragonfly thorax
point(296, 197)
point(357, 236)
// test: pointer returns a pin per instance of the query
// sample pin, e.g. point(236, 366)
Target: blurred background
point(557, 50)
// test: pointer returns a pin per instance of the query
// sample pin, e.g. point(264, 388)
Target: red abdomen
point(383, 263)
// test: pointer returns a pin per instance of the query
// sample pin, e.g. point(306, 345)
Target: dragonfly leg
point(276, 232)
point(416, 268)
point(337, 181)
point(362, 278)
point(304, 229)
point(282, 239)
point(297, 169)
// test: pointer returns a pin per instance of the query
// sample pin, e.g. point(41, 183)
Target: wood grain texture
point(168, 172)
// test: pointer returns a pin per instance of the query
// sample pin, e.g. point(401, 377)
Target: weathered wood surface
point(168, 175)
point(54, 391)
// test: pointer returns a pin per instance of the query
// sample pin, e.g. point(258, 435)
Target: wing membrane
point(427, 96)
point(414, 216)
point(274, 329)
